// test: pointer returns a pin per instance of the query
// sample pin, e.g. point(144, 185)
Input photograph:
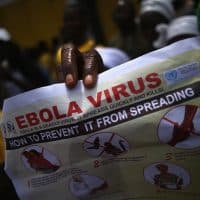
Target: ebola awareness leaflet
point(135, 136)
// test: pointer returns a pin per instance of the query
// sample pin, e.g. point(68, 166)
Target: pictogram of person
point(167, 180)
point(83, 185)
point(96, 144)
point(106, 144)
point(182, 131)
point(37, 161)
point(109, 148)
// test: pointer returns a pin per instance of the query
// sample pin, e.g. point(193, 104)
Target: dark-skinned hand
point(79, 66)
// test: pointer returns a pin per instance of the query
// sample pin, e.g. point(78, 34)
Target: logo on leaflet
point(171, 75)
point(9, 127)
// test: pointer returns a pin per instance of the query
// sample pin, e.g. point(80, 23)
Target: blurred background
point(30, 21)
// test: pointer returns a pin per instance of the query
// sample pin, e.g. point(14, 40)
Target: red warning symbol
point(105, 144)
point(180, 127)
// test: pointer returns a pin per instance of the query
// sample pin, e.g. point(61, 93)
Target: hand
point(76, 65)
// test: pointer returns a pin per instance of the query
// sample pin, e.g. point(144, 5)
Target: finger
point(70, 57)
point(93, 64)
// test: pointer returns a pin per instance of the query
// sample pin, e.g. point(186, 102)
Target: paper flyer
point(135, 136)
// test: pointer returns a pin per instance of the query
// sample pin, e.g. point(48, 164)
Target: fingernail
point(69, 79)
point(89, 79)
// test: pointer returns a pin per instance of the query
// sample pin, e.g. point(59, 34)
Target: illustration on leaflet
point(39, 159)
point(180, 127)
point(167, 176)
point(105, 144)
point(83, 185)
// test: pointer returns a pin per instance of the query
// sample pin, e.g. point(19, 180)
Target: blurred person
point(40, 55)
point(6, 186)
point(12, 81)
point(128, 37)
point(76, 29)
point(14, 60)
point(124, 16)
point(76, 32)
point(38, 50)
point(185, 7)
point(180, 28)
point(152, 13)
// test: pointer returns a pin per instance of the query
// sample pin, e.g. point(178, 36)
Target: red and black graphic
point(165, 179)
point(127, 113)
point(179, 127)
point(167, 176)
point(39, 159)
point(105, 144)
point(83, 185)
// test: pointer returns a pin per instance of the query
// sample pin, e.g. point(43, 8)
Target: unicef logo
point(172, 75)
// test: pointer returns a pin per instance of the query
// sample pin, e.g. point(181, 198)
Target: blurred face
point(148, 23)
point(124, 15)
point(74, 25)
